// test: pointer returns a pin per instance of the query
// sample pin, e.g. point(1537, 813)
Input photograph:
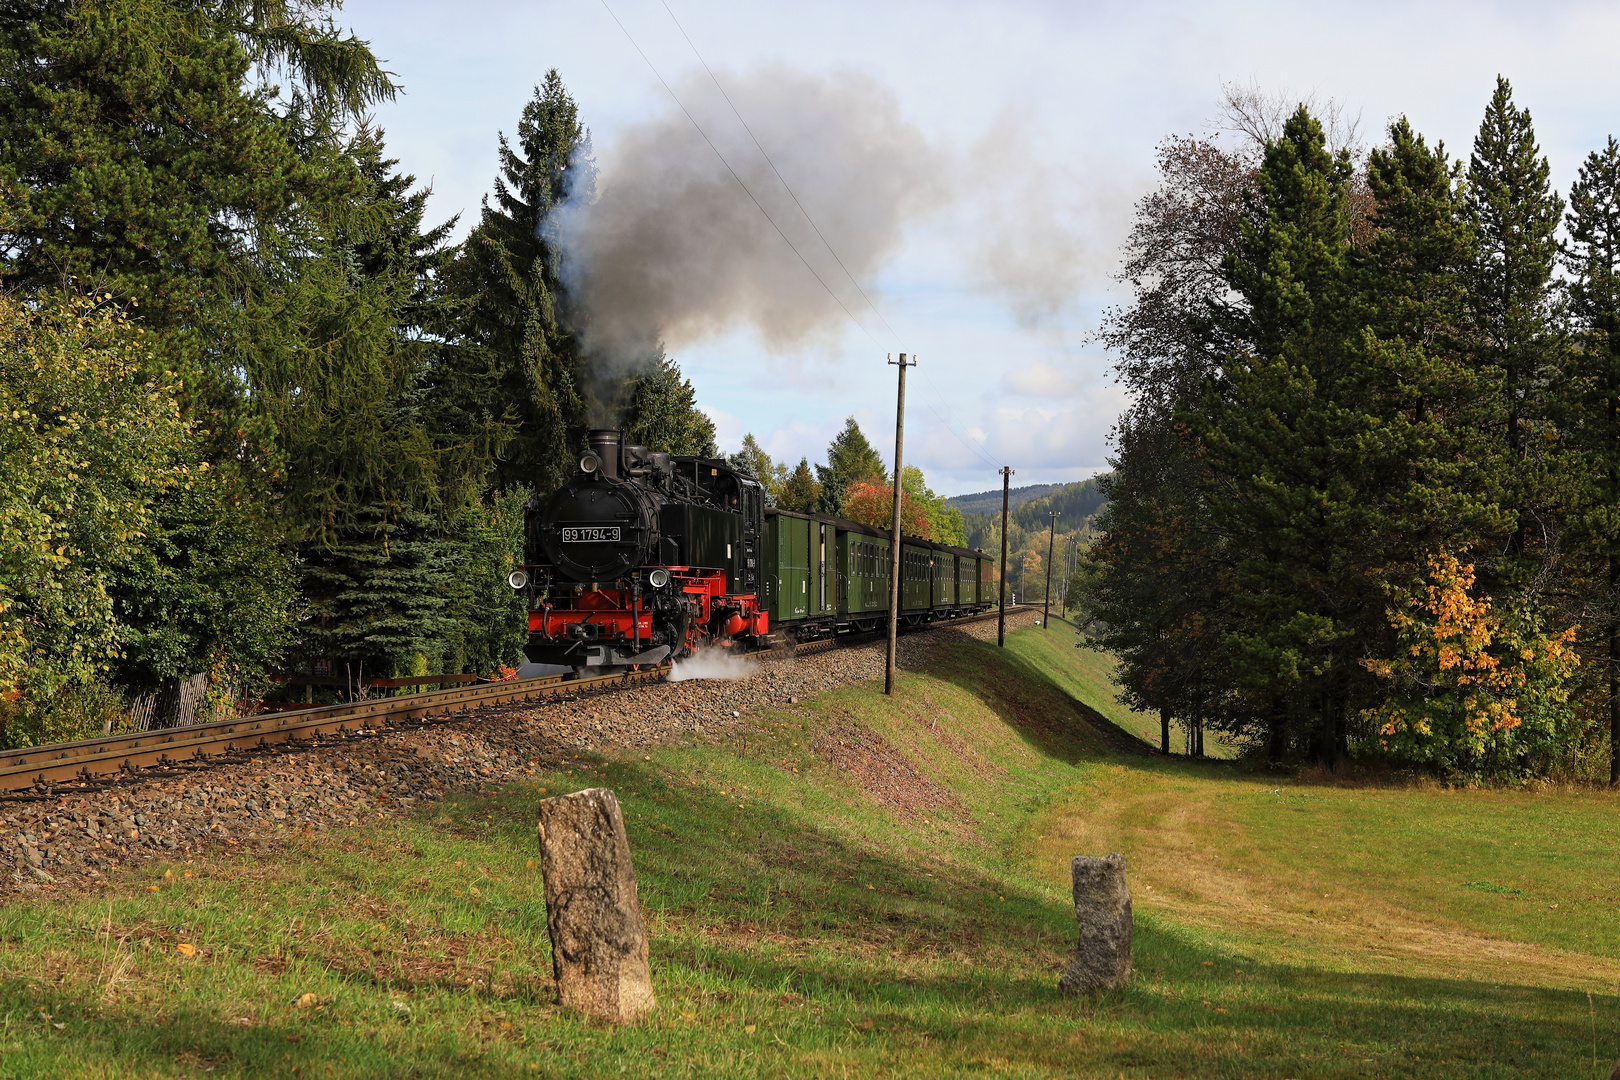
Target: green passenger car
point(944, 573)
point(863, 559)
point(824, 574)
point(788, 570)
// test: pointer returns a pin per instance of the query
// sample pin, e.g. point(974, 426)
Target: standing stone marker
point(598, 941)
point(1102, 907)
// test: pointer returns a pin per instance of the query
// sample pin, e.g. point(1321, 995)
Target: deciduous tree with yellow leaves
point(88, 441)
point(1476, 688)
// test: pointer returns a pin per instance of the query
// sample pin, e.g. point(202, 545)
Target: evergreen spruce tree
point(1279, 434)
point(509, 274)
point(799, 491)
point(377, 594)
point(140, 162)
point(753, 460)
point(374, 486)
point(1436, 406)
point(1515, 213)
point(1593, 260)
point(662, 414)
point(850, 458)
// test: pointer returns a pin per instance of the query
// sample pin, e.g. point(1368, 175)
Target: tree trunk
point(1277, 741)
point(1341, 729)
point(1164, 731)
point(1614, 673)
point(598, 941)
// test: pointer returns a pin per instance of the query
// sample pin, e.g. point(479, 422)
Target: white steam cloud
point(713, 663)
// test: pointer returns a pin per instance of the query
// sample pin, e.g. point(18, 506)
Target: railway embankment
point(80, 835)
point(840, 882)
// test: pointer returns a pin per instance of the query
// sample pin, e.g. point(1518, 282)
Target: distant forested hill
point(981, 513)
point(1075, 501)
point(986, 502)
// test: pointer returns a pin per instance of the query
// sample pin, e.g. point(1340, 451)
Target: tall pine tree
point(1280, 433)
point(373, 483)
point(1515, 213)
point(850, 459)
point(1593, 260)
point(509, 273)
point(662, 413)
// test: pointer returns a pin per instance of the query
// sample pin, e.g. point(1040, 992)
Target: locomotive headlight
point(658, 578)
point(518, 578)
point(589, 462)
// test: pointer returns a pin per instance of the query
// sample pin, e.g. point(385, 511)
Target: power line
point(739, 179)
point(789, 188)
point(972, 445)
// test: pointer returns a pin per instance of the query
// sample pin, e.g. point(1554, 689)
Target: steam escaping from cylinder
point(712, 663)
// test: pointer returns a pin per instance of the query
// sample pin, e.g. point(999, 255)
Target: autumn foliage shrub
point(871, 502)
point(1475, 688)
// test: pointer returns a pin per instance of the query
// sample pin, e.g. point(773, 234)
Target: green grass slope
point(875, 887)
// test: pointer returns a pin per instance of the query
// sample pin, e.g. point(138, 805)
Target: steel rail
point(866, 637)
point(94, 759)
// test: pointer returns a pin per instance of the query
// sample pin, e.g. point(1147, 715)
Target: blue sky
point(978, 180)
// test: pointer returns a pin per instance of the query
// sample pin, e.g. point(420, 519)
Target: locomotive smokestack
point(605, 442)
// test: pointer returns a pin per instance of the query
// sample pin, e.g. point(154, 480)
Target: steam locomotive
point(643, 557)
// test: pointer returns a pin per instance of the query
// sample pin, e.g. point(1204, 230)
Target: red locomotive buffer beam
point(608, 611)
point(618, 615)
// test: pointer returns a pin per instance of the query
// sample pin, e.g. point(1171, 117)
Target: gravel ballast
point(77, 836)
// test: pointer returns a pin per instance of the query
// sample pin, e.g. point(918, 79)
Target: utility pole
point(1046, 605)
point(1068, 572)
point(1001, 621)
point(894, 539)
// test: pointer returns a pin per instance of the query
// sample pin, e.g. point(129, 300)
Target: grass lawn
point(876, 888)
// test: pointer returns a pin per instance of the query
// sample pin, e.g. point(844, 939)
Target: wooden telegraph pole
point(1001, 621)
point(894, 536)
point(1046, 605)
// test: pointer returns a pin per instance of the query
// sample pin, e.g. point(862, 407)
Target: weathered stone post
point(1102, 907)
point(598, 941)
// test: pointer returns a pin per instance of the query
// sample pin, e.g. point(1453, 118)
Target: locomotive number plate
point(594, 535)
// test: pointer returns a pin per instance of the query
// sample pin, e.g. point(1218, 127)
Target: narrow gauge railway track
point(100, 759)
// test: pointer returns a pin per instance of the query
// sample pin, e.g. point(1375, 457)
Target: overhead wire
point(785, 239)
point(973, 446)
point(788, 187)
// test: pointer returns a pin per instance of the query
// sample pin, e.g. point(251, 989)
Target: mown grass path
point(872, 887)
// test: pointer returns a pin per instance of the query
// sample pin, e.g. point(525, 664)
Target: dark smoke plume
point(671, 248)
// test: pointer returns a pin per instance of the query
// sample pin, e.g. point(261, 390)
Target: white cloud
point(728, 429)
point(1044, 380)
